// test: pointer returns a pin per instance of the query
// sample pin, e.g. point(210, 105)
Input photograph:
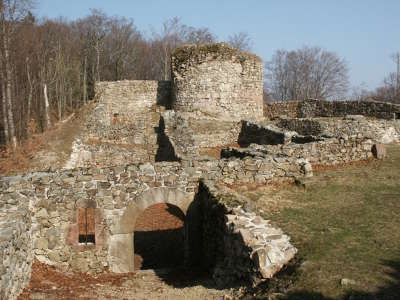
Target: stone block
point(379, 151)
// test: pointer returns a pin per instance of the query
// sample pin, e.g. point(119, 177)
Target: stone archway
point(121, 248)
point(159, 237)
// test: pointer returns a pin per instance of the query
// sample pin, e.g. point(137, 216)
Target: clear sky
point(364, 32)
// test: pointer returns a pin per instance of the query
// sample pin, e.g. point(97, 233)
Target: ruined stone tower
point(219, 81)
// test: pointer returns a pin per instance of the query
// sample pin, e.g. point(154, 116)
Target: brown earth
point(48, 283)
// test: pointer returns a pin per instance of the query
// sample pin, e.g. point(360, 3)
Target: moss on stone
point(196, 53)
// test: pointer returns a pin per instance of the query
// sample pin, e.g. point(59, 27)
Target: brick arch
point(121, 248)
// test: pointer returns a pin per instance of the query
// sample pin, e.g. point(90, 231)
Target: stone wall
point(217, 81)
point(287, 109)
point(191, 134)
point(16, 243)
point(132, 96)
point(261, 134)
point(301, 126)
point(253, 170)
point(237, 244)
point(354, 126)
point(124, 126)
point(319, 108)
point(118, 195)
point(330, 151)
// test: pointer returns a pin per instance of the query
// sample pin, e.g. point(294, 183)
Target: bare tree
point(306, 73)
point(171, 36)
point(199, 36)
point(241, 41)
point(390, 90)
point(396, 59)
point(49, 67)
point(11, 11)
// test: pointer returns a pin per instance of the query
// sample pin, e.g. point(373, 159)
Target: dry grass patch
point(346, 225)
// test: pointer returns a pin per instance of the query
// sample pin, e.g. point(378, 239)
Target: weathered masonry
point(85, 219)
point(157, 163)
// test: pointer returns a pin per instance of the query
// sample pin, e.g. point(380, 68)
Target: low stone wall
point(16, 243)
point(289, 109)
point(261, 134)
point(301, 126)
point(191, 133)
point(319, 108)
point(331, 151)
point(237, 244)
point(253, 170)
point(354, 126)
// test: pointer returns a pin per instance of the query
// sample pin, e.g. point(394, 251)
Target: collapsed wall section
point(238, 244)
point(217, 80)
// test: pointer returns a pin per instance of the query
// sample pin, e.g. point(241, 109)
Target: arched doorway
point(121, 240)
point(159, 237)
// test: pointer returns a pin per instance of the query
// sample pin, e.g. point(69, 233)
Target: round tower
point(218, 81)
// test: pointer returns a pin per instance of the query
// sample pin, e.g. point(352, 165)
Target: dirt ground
point(50, 284)
point(44, 151)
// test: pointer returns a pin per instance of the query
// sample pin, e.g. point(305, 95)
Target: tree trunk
point(4, 107)
point(30, 95)
point(85, 80)
point(59, 104)
point(97, 61)
point(166, 77)
point(8, 81)
point(4, 101)
point(46, 106)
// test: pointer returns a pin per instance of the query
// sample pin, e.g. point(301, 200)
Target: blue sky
point(364, 32)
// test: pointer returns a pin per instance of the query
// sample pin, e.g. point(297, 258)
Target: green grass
point(345, 224)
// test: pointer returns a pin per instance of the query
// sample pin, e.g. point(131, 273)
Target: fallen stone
point(379, 151)
point(346, 282)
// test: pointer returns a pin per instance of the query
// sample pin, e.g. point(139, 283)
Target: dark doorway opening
point(159, 237)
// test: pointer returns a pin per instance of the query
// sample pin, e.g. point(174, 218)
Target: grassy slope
point(346, 224)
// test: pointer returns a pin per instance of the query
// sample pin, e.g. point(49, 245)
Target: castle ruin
point(182, 146)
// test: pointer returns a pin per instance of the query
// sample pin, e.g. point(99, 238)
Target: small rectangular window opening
point(87, 239)
point(86, 223)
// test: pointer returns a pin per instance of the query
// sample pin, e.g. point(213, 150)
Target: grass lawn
point(346, 225)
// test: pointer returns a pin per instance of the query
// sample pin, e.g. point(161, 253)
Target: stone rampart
point(319, 108)
point(218, 81)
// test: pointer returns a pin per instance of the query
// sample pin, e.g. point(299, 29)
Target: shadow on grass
point(279, 287)
point(391, 291)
